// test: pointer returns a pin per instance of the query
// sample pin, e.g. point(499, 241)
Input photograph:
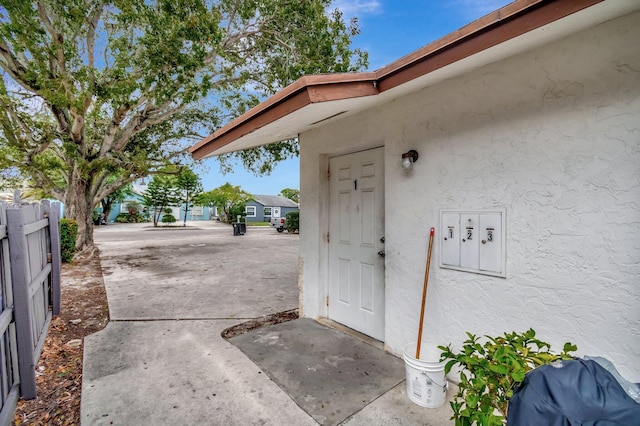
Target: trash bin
point(239, 228)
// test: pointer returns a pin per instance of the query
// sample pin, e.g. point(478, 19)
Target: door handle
point(381, 253)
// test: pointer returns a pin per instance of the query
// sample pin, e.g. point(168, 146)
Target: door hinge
point(327, 300)
point(328, 238)
point(328, 174)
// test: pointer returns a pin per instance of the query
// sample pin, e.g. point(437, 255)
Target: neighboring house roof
point(274, 201)
point(315, 99)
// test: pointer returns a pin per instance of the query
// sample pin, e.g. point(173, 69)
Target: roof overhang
point(314, 100)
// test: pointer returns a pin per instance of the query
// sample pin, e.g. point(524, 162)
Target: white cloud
point(356, 8)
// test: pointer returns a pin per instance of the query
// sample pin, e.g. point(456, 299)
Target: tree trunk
point(78, 205)
point(107, 204)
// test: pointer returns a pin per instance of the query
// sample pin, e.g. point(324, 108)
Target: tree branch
point(146, 119)
point(112, 187)
point(16, 69)
point(56, 37)
point(116, 119)
point(91, 60)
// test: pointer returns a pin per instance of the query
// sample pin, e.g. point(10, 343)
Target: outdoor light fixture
point(408, 158)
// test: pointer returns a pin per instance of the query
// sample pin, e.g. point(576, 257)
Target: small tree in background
point(168, 217)
point(189, 187)
point(160, 193)
point(227, 198)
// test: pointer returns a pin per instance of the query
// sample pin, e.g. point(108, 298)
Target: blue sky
point(390, 29)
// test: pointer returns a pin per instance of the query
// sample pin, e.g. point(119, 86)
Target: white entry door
point(356, 241)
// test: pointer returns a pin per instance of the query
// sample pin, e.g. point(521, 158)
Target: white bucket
point(426, 383)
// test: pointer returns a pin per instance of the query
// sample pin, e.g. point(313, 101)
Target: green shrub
point(133, 207)
point(68, 235)
point(168, 218)
point(293, 221)
point(492, 368)
point(130, 218)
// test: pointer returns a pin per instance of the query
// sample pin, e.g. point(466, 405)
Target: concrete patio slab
point(177, 373)
point(328, 373)
point(395, 409)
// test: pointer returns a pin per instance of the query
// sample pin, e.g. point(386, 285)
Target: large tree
point(97, 89)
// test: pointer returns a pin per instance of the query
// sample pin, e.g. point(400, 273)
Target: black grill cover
point(575, 392)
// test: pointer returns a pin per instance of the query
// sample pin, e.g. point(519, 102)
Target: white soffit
point(320, 114)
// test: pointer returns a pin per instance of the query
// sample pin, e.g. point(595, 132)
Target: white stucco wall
point(551, 135)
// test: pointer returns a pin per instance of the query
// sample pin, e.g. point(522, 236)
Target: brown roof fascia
point(304, 91)
point(511, 21)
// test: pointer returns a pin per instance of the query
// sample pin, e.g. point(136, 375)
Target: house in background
point(263, 207)
point(195, 213)
point(517, 138)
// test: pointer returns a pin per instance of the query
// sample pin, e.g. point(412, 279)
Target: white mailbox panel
point(473, 241)
point(450, 239)
point(491, 242)
point(469, 242)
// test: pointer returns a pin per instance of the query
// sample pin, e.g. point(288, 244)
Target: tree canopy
point(229, 199)
point(98, 93)
point(292, 194)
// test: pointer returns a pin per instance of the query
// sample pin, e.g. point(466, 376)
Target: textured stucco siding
point(551, 135)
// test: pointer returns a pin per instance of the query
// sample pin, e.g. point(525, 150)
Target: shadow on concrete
point(327, 373)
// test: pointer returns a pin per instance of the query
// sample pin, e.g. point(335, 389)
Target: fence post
point(54, 239)
point(20, 281)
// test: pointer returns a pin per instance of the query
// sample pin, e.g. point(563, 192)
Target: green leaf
point(449, 365)
point(471, 400)
point(518, 376)
point(498, 368)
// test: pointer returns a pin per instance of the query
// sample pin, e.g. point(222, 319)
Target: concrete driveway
point(198, 272)
point(146, 368)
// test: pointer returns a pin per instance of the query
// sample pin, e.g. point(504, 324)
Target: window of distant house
point(197, 211)
point(267, 211)
point(250, 211)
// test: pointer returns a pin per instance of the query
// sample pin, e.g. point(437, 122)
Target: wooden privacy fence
point(29, 295)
